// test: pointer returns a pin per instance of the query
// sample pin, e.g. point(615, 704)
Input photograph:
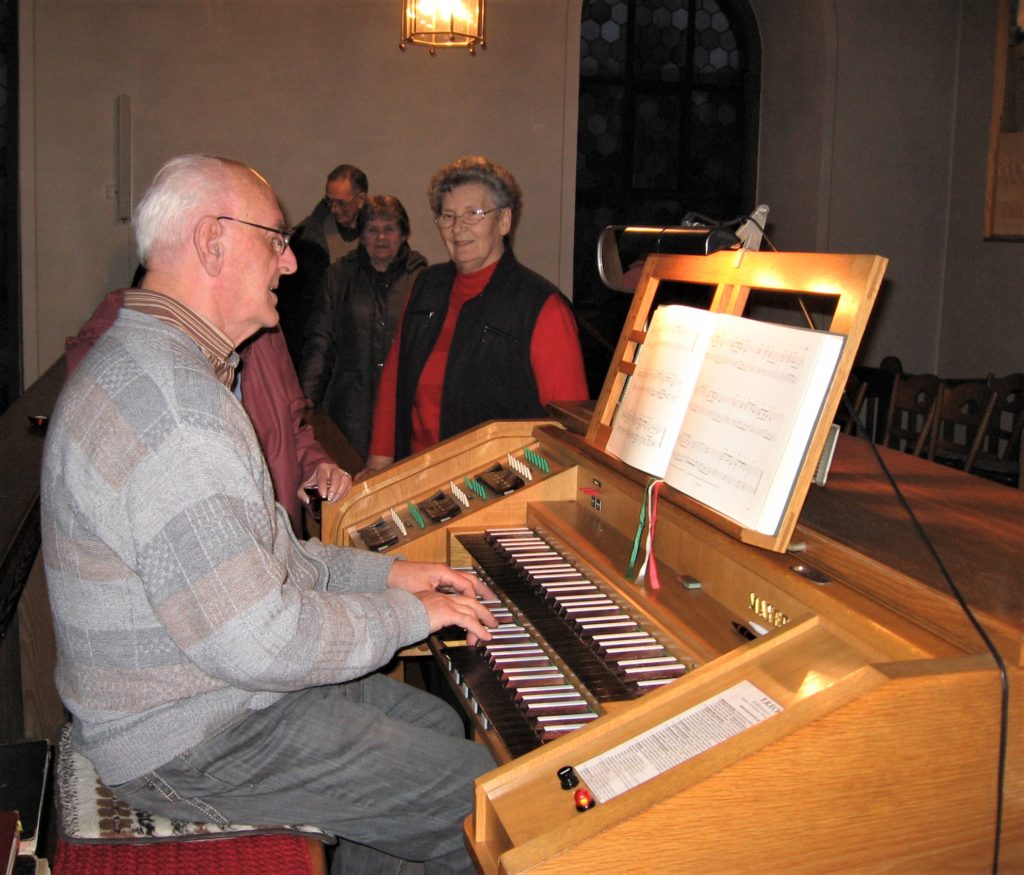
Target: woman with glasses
point(482, 337)
point(354, 318)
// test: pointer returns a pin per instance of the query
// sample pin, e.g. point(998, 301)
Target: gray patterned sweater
point(180, 596)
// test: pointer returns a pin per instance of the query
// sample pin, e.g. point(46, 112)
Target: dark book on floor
point(26, 864)
point(24, 767)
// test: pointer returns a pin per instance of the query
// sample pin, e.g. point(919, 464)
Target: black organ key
point(440, 507)
point(379, 535)
point(501, 480)
point(479, 683)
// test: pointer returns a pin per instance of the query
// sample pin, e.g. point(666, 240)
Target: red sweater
point(555, 357)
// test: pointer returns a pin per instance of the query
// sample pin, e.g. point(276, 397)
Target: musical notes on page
point(657, 384)
point(660, 389)
point(770, 360)
point(643, 432)
point(717, 466)
point(738, 411)
point(723, 408)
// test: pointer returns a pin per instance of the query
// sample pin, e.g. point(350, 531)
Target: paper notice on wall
point(676, 740)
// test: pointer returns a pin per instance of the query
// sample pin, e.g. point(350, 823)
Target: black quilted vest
point(488, 375)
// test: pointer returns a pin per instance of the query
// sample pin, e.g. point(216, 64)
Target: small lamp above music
point(630, 244)
point(443, 24)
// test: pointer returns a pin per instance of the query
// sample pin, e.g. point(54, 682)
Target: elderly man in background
point(216, 667)
point(325, 236)
point(333, 224)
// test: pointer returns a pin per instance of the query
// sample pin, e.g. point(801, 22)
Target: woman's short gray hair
point(475, 168)
point(184, 190)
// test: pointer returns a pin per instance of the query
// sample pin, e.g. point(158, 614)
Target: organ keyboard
point(565, 648)
point(826, 707)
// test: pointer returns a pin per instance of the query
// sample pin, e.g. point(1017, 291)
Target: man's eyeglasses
point(470, 217)
point(334, 204)
point(279, 242)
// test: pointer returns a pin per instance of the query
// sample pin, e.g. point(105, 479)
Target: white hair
point(184, 190)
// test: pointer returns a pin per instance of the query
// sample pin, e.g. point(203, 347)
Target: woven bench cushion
point(89, 812)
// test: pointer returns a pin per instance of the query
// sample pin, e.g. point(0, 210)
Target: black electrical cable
point(958, 595)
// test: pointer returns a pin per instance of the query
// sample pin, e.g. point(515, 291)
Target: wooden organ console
point(816, 702)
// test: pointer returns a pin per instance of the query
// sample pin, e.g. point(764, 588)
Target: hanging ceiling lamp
point(443, 24)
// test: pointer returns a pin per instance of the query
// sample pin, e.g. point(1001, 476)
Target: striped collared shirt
point(216, 346)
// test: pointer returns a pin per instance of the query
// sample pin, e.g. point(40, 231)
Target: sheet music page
point(648, 420)
point(750, 417)
point(676, 740)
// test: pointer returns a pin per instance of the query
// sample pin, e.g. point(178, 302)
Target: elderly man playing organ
point(216, 667)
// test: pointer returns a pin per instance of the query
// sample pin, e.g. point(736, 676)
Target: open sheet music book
point(723, 408)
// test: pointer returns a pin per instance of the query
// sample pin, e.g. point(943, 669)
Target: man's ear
point(208, 240)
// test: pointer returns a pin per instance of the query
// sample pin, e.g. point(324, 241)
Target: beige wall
point(293, 88)
point(983, 300)
point(873, 135)
point(874, 127)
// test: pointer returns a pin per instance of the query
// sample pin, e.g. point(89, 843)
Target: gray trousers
point(382, 765)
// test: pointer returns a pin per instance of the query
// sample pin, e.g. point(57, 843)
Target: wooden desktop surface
point(976, 524)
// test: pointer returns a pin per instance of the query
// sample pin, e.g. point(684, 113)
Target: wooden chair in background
point(959, 422)
point(851, 405)
point(874, 386)
point(910, 412)
point(1002, 451)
